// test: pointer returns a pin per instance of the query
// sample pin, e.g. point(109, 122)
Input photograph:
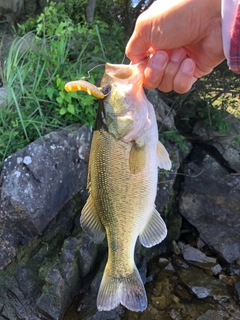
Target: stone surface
point(11, 9)
point(11, 6)
point(237, 290)
point(164, 114)
point(203, 285)
point(87, 254)
point(47, 274)
point(226, 144)
point(37, 181)
point(193, 254)
point(210, 314)
point(209, 201)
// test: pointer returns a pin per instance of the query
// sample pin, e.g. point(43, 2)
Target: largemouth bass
point(122, 182)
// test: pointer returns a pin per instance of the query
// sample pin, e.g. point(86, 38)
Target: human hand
point(184, 38)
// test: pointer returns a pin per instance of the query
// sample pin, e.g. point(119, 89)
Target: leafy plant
point(37, 68)
point(213, 116)
point(174, 136)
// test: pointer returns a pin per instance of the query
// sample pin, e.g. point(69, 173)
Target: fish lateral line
point(91, 89)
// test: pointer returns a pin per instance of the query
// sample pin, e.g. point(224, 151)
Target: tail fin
point(129, 291)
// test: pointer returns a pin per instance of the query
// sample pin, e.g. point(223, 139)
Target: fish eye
point(106, 89)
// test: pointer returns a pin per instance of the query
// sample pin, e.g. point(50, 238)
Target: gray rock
point(26, 42)
point(163, 262)
point(164, 114)
point(210, 314)
point(11, 6)
point(200, 243)
point(45, 273)
point(175, 248)
point(203, 285)
point(165, 201)
point(216, 269)
point(237, 290)
point(8, 247)
point(200, 291)
point(193, 254)
point(69, 266)
point(87, 254)
point(170, 267)
point(12, 301)
point(210, 202)
point(37, 182)
point(227, 144)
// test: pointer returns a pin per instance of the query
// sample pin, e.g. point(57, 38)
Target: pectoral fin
point(163, 160)
point(91, 223)
point(137, 158)
point(154, 231)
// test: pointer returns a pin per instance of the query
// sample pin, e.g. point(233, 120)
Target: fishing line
point(180, 174)
point(124, 56)
point(89, 71)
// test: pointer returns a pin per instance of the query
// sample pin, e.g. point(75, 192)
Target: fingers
point(154, 70)
point(170, 73)
point(184, 78)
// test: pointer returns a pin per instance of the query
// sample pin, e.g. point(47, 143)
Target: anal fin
point(91, 223)
point(155, 230)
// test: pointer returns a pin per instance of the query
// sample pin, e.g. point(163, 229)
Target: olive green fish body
point(122, 198)
point(122, 181)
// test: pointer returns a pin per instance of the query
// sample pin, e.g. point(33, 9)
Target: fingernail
point(159, 59)
point(176, 54)
point(187, 66)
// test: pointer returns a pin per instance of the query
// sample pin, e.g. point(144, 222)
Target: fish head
point(125, 106)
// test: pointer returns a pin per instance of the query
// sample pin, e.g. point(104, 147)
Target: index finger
point(136, 49)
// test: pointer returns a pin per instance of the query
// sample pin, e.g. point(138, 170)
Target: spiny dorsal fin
point(91, 223)
point(154, 231)
point(163, 160)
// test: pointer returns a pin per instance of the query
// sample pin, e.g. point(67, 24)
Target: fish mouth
point(120, 71)
point(125, 71)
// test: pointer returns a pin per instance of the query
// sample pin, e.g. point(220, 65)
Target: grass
point(35, 72)
point(54, 50)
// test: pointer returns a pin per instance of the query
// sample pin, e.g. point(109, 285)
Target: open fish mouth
point(118, 71)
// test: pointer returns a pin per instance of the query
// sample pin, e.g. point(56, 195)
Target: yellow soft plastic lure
point(82, 85)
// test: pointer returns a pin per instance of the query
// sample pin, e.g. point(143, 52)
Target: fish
point(122, 180)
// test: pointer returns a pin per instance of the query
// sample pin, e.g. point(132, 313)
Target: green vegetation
point(52, 51)
point(174, 136)
point(59, 45)
point(210, 101)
